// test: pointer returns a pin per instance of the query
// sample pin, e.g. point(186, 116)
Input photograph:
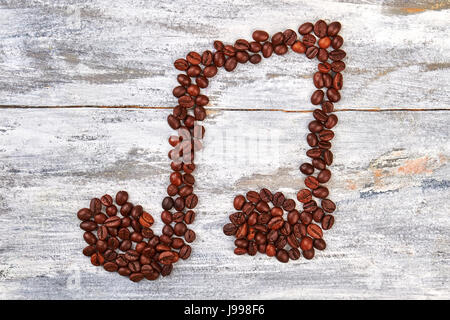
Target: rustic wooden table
point(85, 88)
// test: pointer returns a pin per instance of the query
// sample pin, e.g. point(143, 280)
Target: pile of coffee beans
point(257, 226)
point(120, 238)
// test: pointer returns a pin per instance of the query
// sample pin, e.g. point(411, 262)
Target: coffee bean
point(193, 71)
point(189, 235)
point(304, 196)
point(278, 199)
point(180, 64)
point(309, 40)
point(84, 214)
point(324, 176)
point(311, 52)
point(229, 51)
point(333, 29)
point(95, 205)
point(89, 250)
point(324, 42)
point(338, 81)
point(110, 267)
point(298, 47)
point(88, 225)
point(260, 35)
point(179, 91)
point(309, 254)
point(314, 153)
point(305, 28)
point(322, 55)
point(263, 207)
point(191, 201)
point(241, 45)
point(327, 80)
point(267, 49)
point(265, 195)
point(90, 238)
point(328, 157)
point(317, 97)
point(253, 196)
point(324, 67)
point(337, 42)
point(219, 59)
point(218, 45)
point(305, 217)
point(315, 126)
point(314, 231)
point(255, 58)
point(288, 205)
point(320, 28)
point(277, 38)
point(331, 121)
point(282, 256)
point(328, 205)
point(307, 168)
point(271, 251)
point(306, 243)
point(293, 217)
point(280, 49)
point(318, 80)
point(230, 64)
point(207, 58)
point(311, 182)
point(125, 210)
point(240, 251)
point(210, 71)
point(327, 222)
point(167, 203)
point(333, 95)
point(289, 37)
point(101, 246)
point(338, 66)
point(318, 215)
point(294, 254)
point(185, 252)
point(136, 277)
point(320, 192)
point(327, 107)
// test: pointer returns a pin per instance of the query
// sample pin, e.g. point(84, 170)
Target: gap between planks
point(395, 109)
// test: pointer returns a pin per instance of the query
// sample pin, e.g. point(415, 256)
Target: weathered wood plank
point(390, 240)
point(98, 53)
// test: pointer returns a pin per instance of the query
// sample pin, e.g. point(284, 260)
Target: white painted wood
point(390, 240)
point(102, 53)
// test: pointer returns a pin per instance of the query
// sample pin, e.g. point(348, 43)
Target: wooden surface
point(84, 88)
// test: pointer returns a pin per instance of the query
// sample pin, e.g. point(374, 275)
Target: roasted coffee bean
point(328, 157)
point(337, 81)
point(289, 37)
point(265, 195)
point(183, 80)
point(314, 231)
point(317, 97)
point(255, 47)
point(136, 277)
point(209, 72)
point(95, 205)
point(229, 50)
point(248, 208)
point(324, 42)
point(324, 67)
point(241, 45)
point(324, 176)
point(191, 201)
point(319, 115)
point(102, 233)
point(305, 217)
point(311, 52)
point(320, 28)
point(309, 254)
point(89, 250)
point(304, 196)
point(277, 38)
point(318, 80)
point(320, 192)
point(298, 47)
point(185, 252)
point(207, 58)
point(337, 42)
point(305, 28)
point(110, 266)
point(263, 207)
point(90, 238)
point(326, 135)
point(338, 66)
point(327, 107)
point(319, 244)
point(307, 168)
point(309, 40)
point(286, 229)
point(333, 95)
point(255, 58)
point(333, 29)
point(278, 199)
point(271, 251)
point(328, 205)
point(288, 205)
point(101, 246)
point(253, 196)
point(242, 56)
point(173, 122)
point(275, 223)
point(84, 214)
point(101, 217)
point(179, 91)
point(267, 49)
point(299, 230)
point(252, 219)
point(314, 153)
point(322, 55)
point(331, 121)
point(230, 64)
point(239, 202)
point(218, 45)
point(327, 222)
point(167, 230)
point(181, 64)
point(189, 235)
point(315, 126)
point(193, 71)
point(260, 35)
point(280, 49)
point(293, 217)
point(282, 255)
point(240, 251)
point(219, 59)
point(311, 182)
point(306, 243)
point(88, 225)
point(294, 254)
point(318, 215)
point(327, 80)
point(113, 243)
point(167, 203)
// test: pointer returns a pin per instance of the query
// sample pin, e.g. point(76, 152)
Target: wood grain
point(56, 53)
point(391, 186)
